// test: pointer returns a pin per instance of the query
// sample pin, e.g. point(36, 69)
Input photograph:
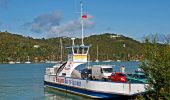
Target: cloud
point(52, 25)
point(71, 28)
point(44, 22)
point(108, 28)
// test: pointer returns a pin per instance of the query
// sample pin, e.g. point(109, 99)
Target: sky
point(55, 18)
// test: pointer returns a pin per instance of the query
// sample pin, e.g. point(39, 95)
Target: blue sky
point(51, 18)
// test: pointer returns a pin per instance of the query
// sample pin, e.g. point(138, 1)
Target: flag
point(84, 16)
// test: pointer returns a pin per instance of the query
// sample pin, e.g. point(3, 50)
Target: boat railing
point(49, 71)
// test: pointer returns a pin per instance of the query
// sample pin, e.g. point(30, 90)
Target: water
point(130, 67)
point(25, 82)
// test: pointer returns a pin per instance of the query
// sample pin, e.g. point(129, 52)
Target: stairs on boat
point(61, 68)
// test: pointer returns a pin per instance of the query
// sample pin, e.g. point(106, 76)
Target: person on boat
point(122, 69)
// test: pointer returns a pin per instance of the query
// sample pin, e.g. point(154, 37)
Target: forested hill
point(111, 47)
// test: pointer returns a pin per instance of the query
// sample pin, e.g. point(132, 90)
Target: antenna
point(82, 23)
point(73, 41)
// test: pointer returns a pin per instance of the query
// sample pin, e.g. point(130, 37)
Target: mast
point(97, 52)
point(61, 44)
point(28, 58)
point(82, 23)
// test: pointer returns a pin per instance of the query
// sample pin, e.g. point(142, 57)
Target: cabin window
point(107, 70)
point(75, 50)
point(101, 70)
point(85, 50)
point(80, 50)
point(69, 51)
point(63, 74)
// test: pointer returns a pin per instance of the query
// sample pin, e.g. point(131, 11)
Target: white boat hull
point(94, 89)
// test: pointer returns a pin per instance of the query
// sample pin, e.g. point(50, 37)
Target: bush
point(156, 66)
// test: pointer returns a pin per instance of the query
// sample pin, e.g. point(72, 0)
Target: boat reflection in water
point(53, 94)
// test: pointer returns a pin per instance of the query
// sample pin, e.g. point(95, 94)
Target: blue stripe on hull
point(84, 92)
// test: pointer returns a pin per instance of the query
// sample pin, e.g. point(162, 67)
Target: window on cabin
point(80, 50)
point(69, 50)
point(85, 50)
point(64, 74)
point(107, 70)
point(75, 50)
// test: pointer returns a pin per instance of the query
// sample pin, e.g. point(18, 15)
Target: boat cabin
point(77, 53)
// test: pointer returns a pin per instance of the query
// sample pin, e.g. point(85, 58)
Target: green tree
point(156, 66)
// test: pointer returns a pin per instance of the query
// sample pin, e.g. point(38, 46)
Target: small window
point(85, 50)
point(75, 50)
point(101, 70)
point(69, 51)
point(107, 70)
point(80, 50)
point(64, 74)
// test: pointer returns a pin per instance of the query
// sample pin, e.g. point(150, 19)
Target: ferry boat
point(65, 77)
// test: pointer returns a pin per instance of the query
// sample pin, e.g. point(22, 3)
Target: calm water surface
point(25, 82)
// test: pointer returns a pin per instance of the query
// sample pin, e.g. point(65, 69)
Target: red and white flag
point(84, 16)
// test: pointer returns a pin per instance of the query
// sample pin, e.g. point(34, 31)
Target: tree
point(156, 66)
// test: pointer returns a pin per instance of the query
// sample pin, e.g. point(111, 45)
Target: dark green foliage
point(156, 66)
point(14, 47)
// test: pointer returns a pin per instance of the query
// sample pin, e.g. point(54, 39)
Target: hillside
point(114, 47)
point(111, 46)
